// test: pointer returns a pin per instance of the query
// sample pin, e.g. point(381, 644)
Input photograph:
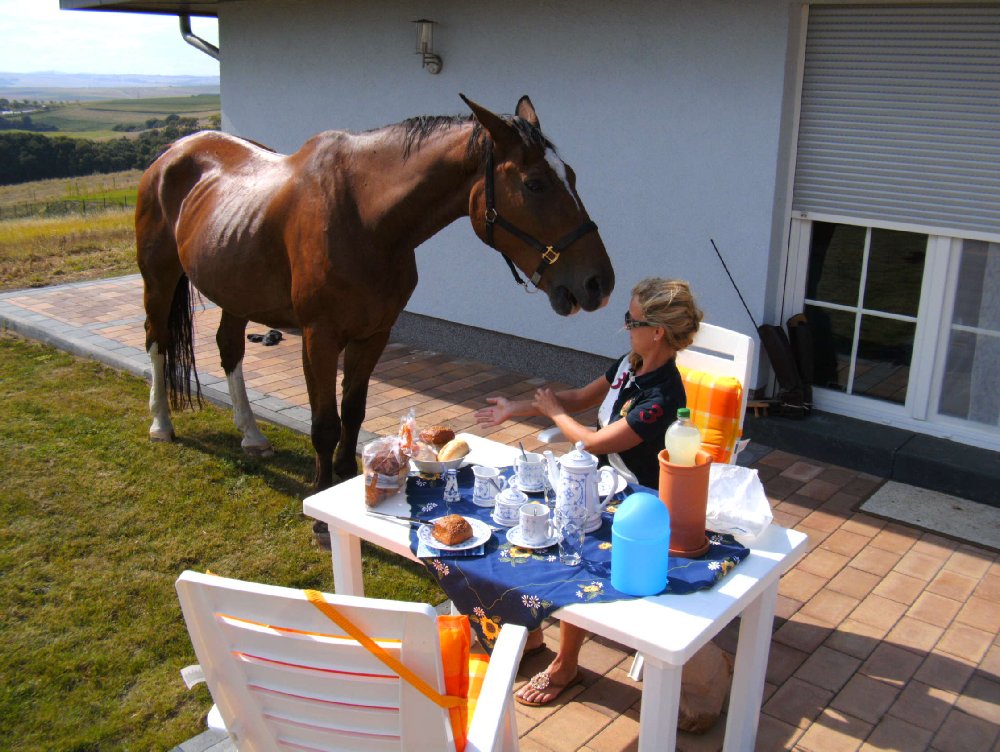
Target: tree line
point(25, 157)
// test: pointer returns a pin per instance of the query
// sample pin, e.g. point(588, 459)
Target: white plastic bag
point(737, 503)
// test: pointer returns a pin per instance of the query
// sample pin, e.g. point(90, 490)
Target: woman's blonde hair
point(668, 303)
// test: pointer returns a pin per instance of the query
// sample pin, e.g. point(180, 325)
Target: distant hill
point(69, 87)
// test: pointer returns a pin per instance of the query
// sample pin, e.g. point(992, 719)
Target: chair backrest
point(284, 676)
point(718, 352)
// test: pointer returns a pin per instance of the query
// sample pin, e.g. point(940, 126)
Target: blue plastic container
point(640, 545)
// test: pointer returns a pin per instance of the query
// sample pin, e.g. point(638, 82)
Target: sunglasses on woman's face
point(631, 323)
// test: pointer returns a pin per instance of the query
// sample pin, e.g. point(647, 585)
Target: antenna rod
point(756, 328)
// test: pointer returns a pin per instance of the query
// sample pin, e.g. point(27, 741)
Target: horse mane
point(417, 129)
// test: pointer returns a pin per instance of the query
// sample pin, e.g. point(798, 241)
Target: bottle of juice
point(683, 439)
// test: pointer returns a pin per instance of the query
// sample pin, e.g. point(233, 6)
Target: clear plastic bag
point(737, 503)
point(385, 463)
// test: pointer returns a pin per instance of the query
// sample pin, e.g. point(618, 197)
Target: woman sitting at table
point(639, 397)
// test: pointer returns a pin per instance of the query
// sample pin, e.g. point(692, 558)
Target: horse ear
point(502, 133)
point(526, 111)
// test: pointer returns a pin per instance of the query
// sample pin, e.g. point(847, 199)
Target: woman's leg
point(535, 640)
point(562, 672)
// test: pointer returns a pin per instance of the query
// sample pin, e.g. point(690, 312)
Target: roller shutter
point(900, 115)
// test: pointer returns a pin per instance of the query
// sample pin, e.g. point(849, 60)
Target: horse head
point(527, 207)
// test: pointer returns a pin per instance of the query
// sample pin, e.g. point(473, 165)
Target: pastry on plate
point(452, 530)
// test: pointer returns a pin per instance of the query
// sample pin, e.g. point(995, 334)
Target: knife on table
point(398, 518)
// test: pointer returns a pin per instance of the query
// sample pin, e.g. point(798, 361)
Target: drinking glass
point(570, 525)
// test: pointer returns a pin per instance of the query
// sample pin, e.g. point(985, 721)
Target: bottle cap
point(684, 412)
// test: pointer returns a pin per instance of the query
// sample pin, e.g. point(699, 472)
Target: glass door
point(969, 381)
point(862, 296)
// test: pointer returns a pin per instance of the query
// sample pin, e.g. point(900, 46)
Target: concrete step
point(892, 453)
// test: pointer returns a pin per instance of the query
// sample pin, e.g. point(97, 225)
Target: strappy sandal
point(542, 682)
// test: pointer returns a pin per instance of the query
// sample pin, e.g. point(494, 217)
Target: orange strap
point(445, 701)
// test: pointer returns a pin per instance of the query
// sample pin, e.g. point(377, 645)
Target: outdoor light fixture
point(425, 45)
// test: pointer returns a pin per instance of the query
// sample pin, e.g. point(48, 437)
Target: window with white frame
point(861, 300)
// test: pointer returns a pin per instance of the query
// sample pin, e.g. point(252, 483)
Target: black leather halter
point(550, 253)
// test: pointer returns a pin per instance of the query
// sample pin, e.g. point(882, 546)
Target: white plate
point(481, 533)
point(602, 487)
point(515, 539)
point(502, 523)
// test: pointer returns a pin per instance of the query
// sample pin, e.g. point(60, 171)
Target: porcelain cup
point(488, 484)
point(536, 524)
point(508, 504)
point(531, 469)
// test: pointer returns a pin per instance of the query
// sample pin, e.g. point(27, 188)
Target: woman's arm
point(615, 437)
point(573, 400)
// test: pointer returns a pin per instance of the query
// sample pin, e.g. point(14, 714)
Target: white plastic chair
point(284, 676)
point(715, 350)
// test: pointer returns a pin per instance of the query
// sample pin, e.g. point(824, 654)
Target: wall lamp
point(425, 45)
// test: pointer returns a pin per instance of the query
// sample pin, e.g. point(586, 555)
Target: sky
point(37, 36)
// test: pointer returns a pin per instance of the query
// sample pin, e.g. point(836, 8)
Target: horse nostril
point(593, 288)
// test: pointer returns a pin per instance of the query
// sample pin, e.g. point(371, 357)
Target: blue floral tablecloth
point(501, 583)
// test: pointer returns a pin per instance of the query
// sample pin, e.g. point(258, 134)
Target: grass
point(96, 523)
point(59, 188)
point(37, 252)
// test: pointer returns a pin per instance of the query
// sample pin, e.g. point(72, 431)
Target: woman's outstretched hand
point(547, 403)
point(496, 414)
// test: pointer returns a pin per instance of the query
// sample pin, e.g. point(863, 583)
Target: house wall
point(674, 115)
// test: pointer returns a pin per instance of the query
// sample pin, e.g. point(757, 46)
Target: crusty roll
point(437, 435)
point(453, 450)
point(452, 530)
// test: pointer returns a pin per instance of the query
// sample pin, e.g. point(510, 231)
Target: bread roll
point(453, 450)
point(452, 530)
point(437, 435)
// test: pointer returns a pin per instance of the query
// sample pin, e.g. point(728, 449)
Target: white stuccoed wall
point(671, 114)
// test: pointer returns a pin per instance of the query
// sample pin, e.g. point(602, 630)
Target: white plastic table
point(666, 629)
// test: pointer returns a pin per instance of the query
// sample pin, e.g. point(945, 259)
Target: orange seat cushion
point(464, 672)
point(714, 402)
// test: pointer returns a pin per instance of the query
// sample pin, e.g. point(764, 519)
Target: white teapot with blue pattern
point(575, 478)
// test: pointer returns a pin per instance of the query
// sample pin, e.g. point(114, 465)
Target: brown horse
point(323, 240)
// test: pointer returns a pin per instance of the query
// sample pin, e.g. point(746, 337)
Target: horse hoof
point(162, 436)
point(262, 451)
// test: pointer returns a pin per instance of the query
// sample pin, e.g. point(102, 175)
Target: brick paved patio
point(886, 636)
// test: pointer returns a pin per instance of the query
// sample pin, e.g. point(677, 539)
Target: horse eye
point(535, 186)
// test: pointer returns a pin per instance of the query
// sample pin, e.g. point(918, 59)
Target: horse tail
point(180, 367)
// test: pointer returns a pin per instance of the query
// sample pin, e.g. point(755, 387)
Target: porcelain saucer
point(528, 489)
point(515, 539)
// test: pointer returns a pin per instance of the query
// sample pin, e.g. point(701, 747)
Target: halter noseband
point(550, 253)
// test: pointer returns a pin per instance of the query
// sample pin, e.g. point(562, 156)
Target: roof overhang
point(165, 7)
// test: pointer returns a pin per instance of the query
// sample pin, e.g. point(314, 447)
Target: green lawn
point(96, 522)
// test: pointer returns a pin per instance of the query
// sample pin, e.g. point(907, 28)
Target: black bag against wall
point(791, 395)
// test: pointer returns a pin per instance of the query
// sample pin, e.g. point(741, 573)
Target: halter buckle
point(491, 215)
point(550, 255)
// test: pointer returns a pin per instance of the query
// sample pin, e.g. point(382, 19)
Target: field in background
point(72, 248)
point(96, 120)
point(38, 250)
point(58, 197)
